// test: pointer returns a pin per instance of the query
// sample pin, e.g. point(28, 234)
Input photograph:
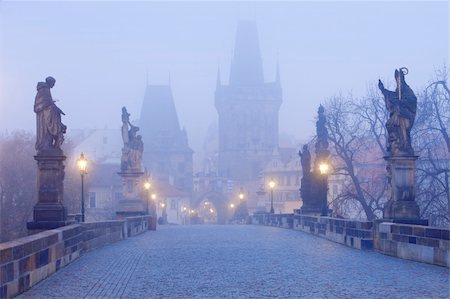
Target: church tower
point(248, 111)
point(167, 155)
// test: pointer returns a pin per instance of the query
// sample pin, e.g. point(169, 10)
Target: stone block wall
point(96, 234)
point(26, 261)
point(356, 234)
point(413, 242)
point(136, 225)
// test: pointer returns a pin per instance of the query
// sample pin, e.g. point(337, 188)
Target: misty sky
point(99, 53)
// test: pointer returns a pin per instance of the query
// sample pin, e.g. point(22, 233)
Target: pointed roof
point(218, 81)
point(277, 76)
point(158, 115)
point(246, 65)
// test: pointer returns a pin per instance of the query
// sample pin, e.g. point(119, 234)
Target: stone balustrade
point(357, 234)
point(414, 242)
point(26, 261)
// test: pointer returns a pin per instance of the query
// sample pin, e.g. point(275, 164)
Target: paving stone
point(239, 261)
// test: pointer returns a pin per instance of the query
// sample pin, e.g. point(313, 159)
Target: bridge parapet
point(357, 234)
point(26, 261)
point(413, 242)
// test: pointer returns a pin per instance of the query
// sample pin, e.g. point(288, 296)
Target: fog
point(102, 54)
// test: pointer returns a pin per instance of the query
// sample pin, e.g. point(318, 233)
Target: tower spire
point(246, 65)
point(277, 77)
point(218, 81)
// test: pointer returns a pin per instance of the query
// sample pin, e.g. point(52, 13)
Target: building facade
point(285, 170)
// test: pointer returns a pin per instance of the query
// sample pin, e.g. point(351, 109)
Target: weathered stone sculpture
point(133, 201)
point(305, 159)
point(314, 184)
point(401, 105)
point(305, 183)
point(401, 169)
point(133, 146)
point(49, 211)
point(49, 128)
point(322, 134)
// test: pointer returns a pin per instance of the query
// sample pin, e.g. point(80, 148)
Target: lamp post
point(324, 168)
point(184, 212)
point(147, 186)
point(243, 209)
point(241, 194)
point(82, 166)
point(164, 212)
point(271, 186)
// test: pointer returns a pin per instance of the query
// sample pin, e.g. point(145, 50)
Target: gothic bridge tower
point(248, 111)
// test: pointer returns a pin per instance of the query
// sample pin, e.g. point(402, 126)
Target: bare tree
point(432, 144)
point(18, 193)
point(356, 138)
point(17, 183)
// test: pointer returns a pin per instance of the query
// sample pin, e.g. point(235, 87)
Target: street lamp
point(147, 186)
point(271, 186)
point(324, 169)
point(82, 166)
point(241, 194)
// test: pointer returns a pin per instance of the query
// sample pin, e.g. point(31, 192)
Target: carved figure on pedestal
point(401, 105)
point(49, 128)
point(125, 124)
point(49, 211)
point(322, 132)
point(305, 159)
point(133, 146)
point(135, 155)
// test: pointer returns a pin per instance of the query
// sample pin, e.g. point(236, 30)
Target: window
point(180, 167)
point(92, 200)
point(105, 140)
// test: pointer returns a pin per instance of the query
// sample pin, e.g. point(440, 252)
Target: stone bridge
point(210, 261)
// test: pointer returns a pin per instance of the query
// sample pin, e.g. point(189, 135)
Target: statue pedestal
point(49, 211)
point(401, 206)
point(314, 195)
point(133, 202)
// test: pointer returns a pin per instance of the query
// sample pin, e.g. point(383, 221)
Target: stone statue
point(322, 132)
point(133, 146)
point(305, 158)
point(125, 124)
point(49, 128)
point(135, 154)
point(402, 106)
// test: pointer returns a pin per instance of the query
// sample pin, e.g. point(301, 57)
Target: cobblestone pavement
point(239, 261)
